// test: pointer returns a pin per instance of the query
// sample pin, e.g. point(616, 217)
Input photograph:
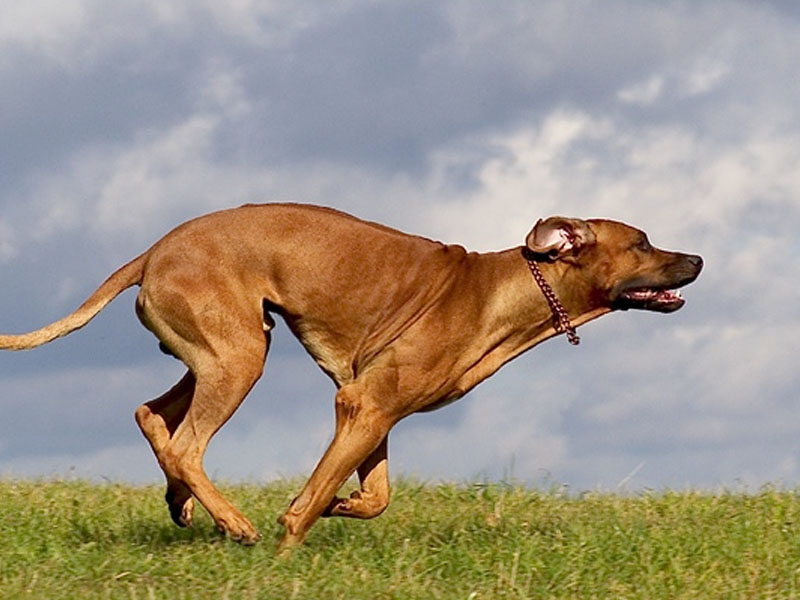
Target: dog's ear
point(557, 237)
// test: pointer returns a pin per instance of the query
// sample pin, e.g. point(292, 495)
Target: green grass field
point(79, 540)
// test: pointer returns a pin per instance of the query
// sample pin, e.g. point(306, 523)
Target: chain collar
point(560, 316)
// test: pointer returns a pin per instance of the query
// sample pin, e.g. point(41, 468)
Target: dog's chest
point(326, 349)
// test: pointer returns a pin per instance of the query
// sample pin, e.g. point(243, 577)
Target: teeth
point(678, 294)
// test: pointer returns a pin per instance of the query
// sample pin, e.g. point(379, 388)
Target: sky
point(463, 122)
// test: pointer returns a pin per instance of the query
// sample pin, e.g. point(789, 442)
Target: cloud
point(8, 248)
point(458, 122)
point(162, 176)
point(85, 400)
point(87, 30)
point(643, 92)
point(508, 430)
point(732, 200)
point(46, 25)
point(563, 159)
point(79, 420)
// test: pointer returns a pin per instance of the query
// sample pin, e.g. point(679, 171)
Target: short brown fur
point(400, 323)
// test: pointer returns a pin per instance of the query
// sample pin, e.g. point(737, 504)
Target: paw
point(288, 543)
point(295, 532)
point(239, 530)
point(182, 513)
point(359, 505)
point(337, 507)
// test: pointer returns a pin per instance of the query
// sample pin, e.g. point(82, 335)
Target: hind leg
point(158, 420)
point(218, 391)
point(221, 334)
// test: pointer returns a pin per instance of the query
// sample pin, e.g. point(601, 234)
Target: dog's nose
point(696, 261)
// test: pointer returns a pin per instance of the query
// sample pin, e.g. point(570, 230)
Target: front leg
point(373, 497)
point(361, 428)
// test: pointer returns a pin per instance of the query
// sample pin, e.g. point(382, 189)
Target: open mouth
point(659, 300)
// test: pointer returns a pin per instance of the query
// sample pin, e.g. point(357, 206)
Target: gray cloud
point(464, 123)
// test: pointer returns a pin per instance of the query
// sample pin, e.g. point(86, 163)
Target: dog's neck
point(516, 316)
point(573, 292)
point(560, 315)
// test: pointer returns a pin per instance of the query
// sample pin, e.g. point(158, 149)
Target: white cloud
point(79, 32)
point(522, 180)
point(705, 75)
point(79, 421)
point(48, 25)
point(8, 248)
point(223, 90)
point(643, 92)
point(678, 82)
point(667, 179)
point(501, 431)
point(75, 34)
point(159, 172)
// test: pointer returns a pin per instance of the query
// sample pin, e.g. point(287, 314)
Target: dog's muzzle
point(658, 296)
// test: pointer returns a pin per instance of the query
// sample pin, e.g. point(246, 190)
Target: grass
point(74, 539)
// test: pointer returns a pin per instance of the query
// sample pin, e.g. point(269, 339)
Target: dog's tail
point(121, 279)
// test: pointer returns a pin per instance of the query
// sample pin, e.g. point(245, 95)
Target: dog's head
point(618, 261)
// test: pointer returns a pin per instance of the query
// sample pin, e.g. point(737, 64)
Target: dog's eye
point(643, 244)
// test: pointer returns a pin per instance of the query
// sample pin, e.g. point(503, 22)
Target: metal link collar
point(560, 316)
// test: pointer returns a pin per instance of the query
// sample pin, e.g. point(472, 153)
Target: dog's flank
point(400, 323)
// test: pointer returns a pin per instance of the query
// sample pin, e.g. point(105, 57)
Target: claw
point(240, 534)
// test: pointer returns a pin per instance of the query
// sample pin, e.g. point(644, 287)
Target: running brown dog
point(401, 324)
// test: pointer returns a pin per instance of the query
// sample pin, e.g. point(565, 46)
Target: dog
point(400, 323)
